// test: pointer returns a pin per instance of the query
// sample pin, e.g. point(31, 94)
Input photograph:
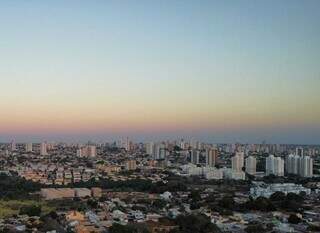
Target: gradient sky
point(216, 70)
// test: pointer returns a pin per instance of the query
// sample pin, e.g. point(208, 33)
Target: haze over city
point(218, 71)
point(171, 116)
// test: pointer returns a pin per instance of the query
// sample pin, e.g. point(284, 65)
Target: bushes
point(13, 187)
point(195, 223)
point(227, 203)
point(30, 210)
point(117, 228)
point(262, 204)
point(256, 228)
point(278, 200)
point(278, 196)
point(139, 185)
point(294, 219)
point(159, 203)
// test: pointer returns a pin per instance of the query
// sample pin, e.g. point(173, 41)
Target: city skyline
point(217, 71)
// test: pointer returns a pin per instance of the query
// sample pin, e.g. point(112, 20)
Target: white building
point(28, 147)
point(87, 151)
point(251, 164)
point(211, 157)
point(299, 165)
point(13, 146)
point(212, 172)
point(263, 190)
point(150, 148)
point(195, 155)
point(233, 174)
point(43, 148)
point(274, 166)
point(215, 174)
point(160, 151)
point(237, 161)
point(306, 166)
point(131, 165)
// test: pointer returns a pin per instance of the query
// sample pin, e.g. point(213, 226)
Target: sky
point(219, 71)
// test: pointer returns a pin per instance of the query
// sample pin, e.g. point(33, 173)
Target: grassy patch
point(12, 207)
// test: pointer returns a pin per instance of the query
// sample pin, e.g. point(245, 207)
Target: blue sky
point(215, 69)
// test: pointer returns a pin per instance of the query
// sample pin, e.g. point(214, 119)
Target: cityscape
point(160, 116)
point(150, 187)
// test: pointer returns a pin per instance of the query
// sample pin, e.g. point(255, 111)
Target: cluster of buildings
point(87, 151)
point(261, 189)
point(299, 165)
point(56, 165)
point(52, 174)
point(61, 193)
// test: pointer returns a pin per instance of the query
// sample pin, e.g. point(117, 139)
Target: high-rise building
point(92, 151)
point(195, 156)
point(87, 151)
point(211, 157)
point(274, 166)
point(150, 148)
point(43, 148)
point(28, 147)
point(126, 144)
point(160, 151)
point(299, 165)
point(193, 143)
point(79, 152)
point(306, 166)
point(251, 164)
point(13, 146)
point(299, 151)
point(292, 164)
point(182, 144)
point(237, 161)
point(279, 166)
point(131, 165)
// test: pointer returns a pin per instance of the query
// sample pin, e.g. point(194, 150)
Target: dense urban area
point(170, 187)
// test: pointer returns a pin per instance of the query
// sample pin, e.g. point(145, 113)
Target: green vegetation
point(9, 208)
point(195, 223)
point(136, 228)
point(15, 187)
point(255, 228)
point(294, 219)
point(33, 210)
point(278, 200)
point(159, 203)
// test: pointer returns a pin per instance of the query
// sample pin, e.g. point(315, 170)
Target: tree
point(261, 203)
point(53, 215)
point(294, 219)
point(92, 203)
point(278, 196)
point(132, 228)
point(255, 228)
point(227, 202)
point(294, 197)
point(211, 198)
point(30, 210)
point(195, 195)
point(195, 223)
point(159, 203)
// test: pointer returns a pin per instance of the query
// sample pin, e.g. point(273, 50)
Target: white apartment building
point(43, 148)
point(251, 165)
point(299, 165)
point(274, 166)
point(237, 161)
point(211, 157)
